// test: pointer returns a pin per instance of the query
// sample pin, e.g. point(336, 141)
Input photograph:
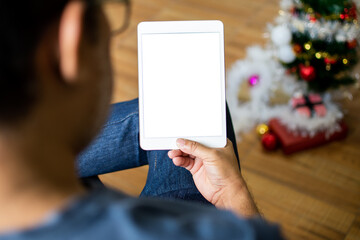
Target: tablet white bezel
point(164, 27)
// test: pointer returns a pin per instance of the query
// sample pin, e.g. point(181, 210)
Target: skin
point(216, 175)
point(37, 156)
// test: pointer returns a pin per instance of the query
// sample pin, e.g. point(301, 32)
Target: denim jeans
point(117, 148)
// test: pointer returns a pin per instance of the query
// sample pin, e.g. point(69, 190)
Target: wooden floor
point(313, 194)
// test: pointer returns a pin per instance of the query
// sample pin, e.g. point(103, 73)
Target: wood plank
point(294, 208)
point(354, 232)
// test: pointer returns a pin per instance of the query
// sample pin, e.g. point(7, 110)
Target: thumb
point(193, 148)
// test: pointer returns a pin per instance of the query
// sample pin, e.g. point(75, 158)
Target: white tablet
point(181, 83)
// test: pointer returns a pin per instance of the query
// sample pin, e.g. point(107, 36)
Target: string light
point(307, 46)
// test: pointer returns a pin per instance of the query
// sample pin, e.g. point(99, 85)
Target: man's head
point(55, 74)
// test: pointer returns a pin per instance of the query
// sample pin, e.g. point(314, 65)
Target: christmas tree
point(317, 40)
point(313, 48)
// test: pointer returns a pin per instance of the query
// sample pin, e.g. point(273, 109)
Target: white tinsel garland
point(320, 29)
point(257, 110)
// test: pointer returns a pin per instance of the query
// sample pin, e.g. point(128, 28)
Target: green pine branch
point(327, 7)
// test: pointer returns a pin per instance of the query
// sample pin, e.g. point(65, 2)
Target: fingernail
point(180, 142)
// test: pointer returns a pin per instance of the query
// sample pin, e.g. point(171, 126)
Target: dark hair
point(22, 24)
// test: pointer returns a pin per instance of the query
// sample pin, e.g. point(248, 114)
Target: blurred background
point(312, 194)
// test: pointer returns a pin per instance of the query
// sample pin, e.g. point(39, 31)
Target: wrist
point(237, 198)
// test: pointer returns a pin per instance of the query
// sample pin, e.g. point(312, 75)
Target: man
point(55, 90)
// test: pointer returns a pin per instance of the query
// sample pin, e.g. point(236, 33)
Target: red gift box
point(291, 142)
point(308, 105)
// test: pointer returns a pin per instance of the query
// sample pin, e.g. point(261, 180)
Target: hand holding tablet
point(181, 83)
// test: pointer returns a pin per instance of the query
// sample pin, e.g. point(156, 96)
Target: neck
point(35, 179)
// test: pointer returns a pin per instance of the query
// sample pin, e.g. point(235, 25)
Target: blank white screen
point(181, 85)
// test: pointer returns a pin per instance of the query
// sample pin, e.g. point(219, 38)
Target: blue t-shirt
point(107, 214)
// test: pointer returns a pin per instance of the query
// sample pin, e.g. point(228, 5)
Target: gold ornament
point(345, 61)
point(261, 129)
point(307, 46)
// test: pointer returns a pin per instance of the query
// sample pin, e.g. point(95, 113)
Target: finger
point(193, 148)
point(177, 153)
point(184, 162)
point(174, 153)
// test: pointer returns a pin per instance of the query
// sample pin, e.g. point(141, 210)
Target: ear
point(69, 38)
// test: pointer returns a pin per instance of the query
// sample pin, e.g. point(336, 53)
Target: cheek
point(105, 84)
point(104, 78)
point(106, 90)
point(107, 77)
point(106, 67)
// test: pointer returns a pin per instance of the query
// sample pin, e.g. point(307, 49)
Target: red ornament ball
point(269, 141)
point(344, 16)
point(307, 72)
